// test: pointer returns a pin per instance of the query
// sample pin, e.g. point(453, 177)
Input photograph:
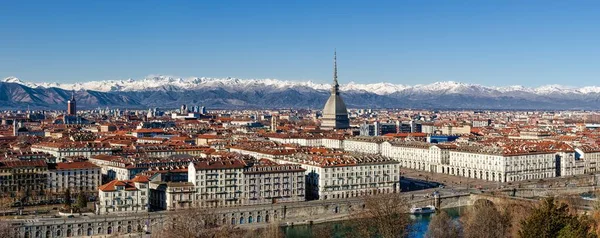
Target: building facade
point(219, 183)
point(269, 182)
point(76, 176)
point(123, 196)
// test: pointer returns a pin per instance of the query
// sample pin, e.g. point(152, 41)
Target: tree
point(550, 218)
point(596, 218)
point(6, 202)
point(573, 202)
point(324, 231)
point(67, 198)
point(384, 215)
point(272, 231)
point(442, 226)
point(517, 211)
point(23, 195)
point(7, 230)
point(577, 228)
point(485, 220)
point(82, 201)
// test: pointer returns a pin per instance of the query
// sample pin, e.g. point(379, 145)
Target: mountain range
point(231, 93)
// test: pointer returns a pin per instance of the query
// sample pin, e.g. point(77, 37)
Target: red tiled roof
point(23, 163)
point(417, 134)
point(144, 130)
point(75, 165)
point(112, 186)
point(140, 179)
point(221, 164)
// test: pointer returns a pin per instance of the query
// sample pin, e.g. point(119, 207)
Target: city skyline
point(308, 118)
point(530, 44)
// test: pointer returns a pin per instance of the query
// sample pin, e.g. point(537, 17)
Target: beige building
point(347, 175)
point(171, 195)
point(62, 150)
point(123, 196)
point(268, 182)
point(77, 176)
point(370, 145)
point(218, 182)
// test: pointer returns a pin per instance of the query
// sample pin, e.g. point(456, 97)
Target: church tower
point(335, 114)
point(72, 105)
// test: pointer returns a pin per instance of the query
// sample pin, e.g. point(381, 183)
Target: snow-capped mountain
point(167, 91)
point(160, 82)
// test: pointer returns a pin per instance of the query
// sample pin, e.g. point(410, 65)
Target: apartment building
point(218, 182)
point(23, 175)
point(336, 176)
point(413, 155)
point(67, 149)
point(501, 164)
point(369, 145)
point(591, 157)
point(123, 196)
point(76, 176)
point(124, 168)
point(171, 195)
point(268, 182)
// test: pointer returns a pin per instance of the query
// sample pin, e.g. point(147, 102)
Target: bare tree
point(442, 226)
point(485, 220)
point(517, 211)
point(595, 218)
point(384, 215)
point(196, 223)
point(323, 231)
point(272, 231)
point(7, 230)
point(5, 202)
point(574, 202)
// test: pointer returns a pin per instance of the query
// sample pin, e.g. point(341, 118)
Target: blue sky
point(529, 43)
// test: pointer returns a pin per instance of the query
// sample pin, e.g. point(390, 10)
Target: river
point(417, 230)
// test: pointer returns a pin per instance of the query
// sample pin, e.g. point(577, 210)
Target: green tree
point(67, 198)
point(82, 201)
point(578, 227)
point(552, 219)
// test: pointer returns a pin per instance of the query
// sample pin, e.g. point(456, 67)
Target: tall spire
point(336, 86)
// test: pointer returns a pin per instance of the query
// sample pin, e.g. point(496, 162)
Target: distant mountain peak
point(231, 92)
point(160, 82)
point(12, 79)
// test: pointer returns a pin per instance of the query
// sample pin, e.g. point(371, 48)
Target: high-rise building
point(183, 109)
point(150, 113)
point(72, 105)
point(274, 123)
point(335, 114)
point(377, 129)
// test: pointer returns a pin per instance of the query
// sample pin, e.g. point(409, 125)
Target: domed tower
point(335, 114)
point(72, 105)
